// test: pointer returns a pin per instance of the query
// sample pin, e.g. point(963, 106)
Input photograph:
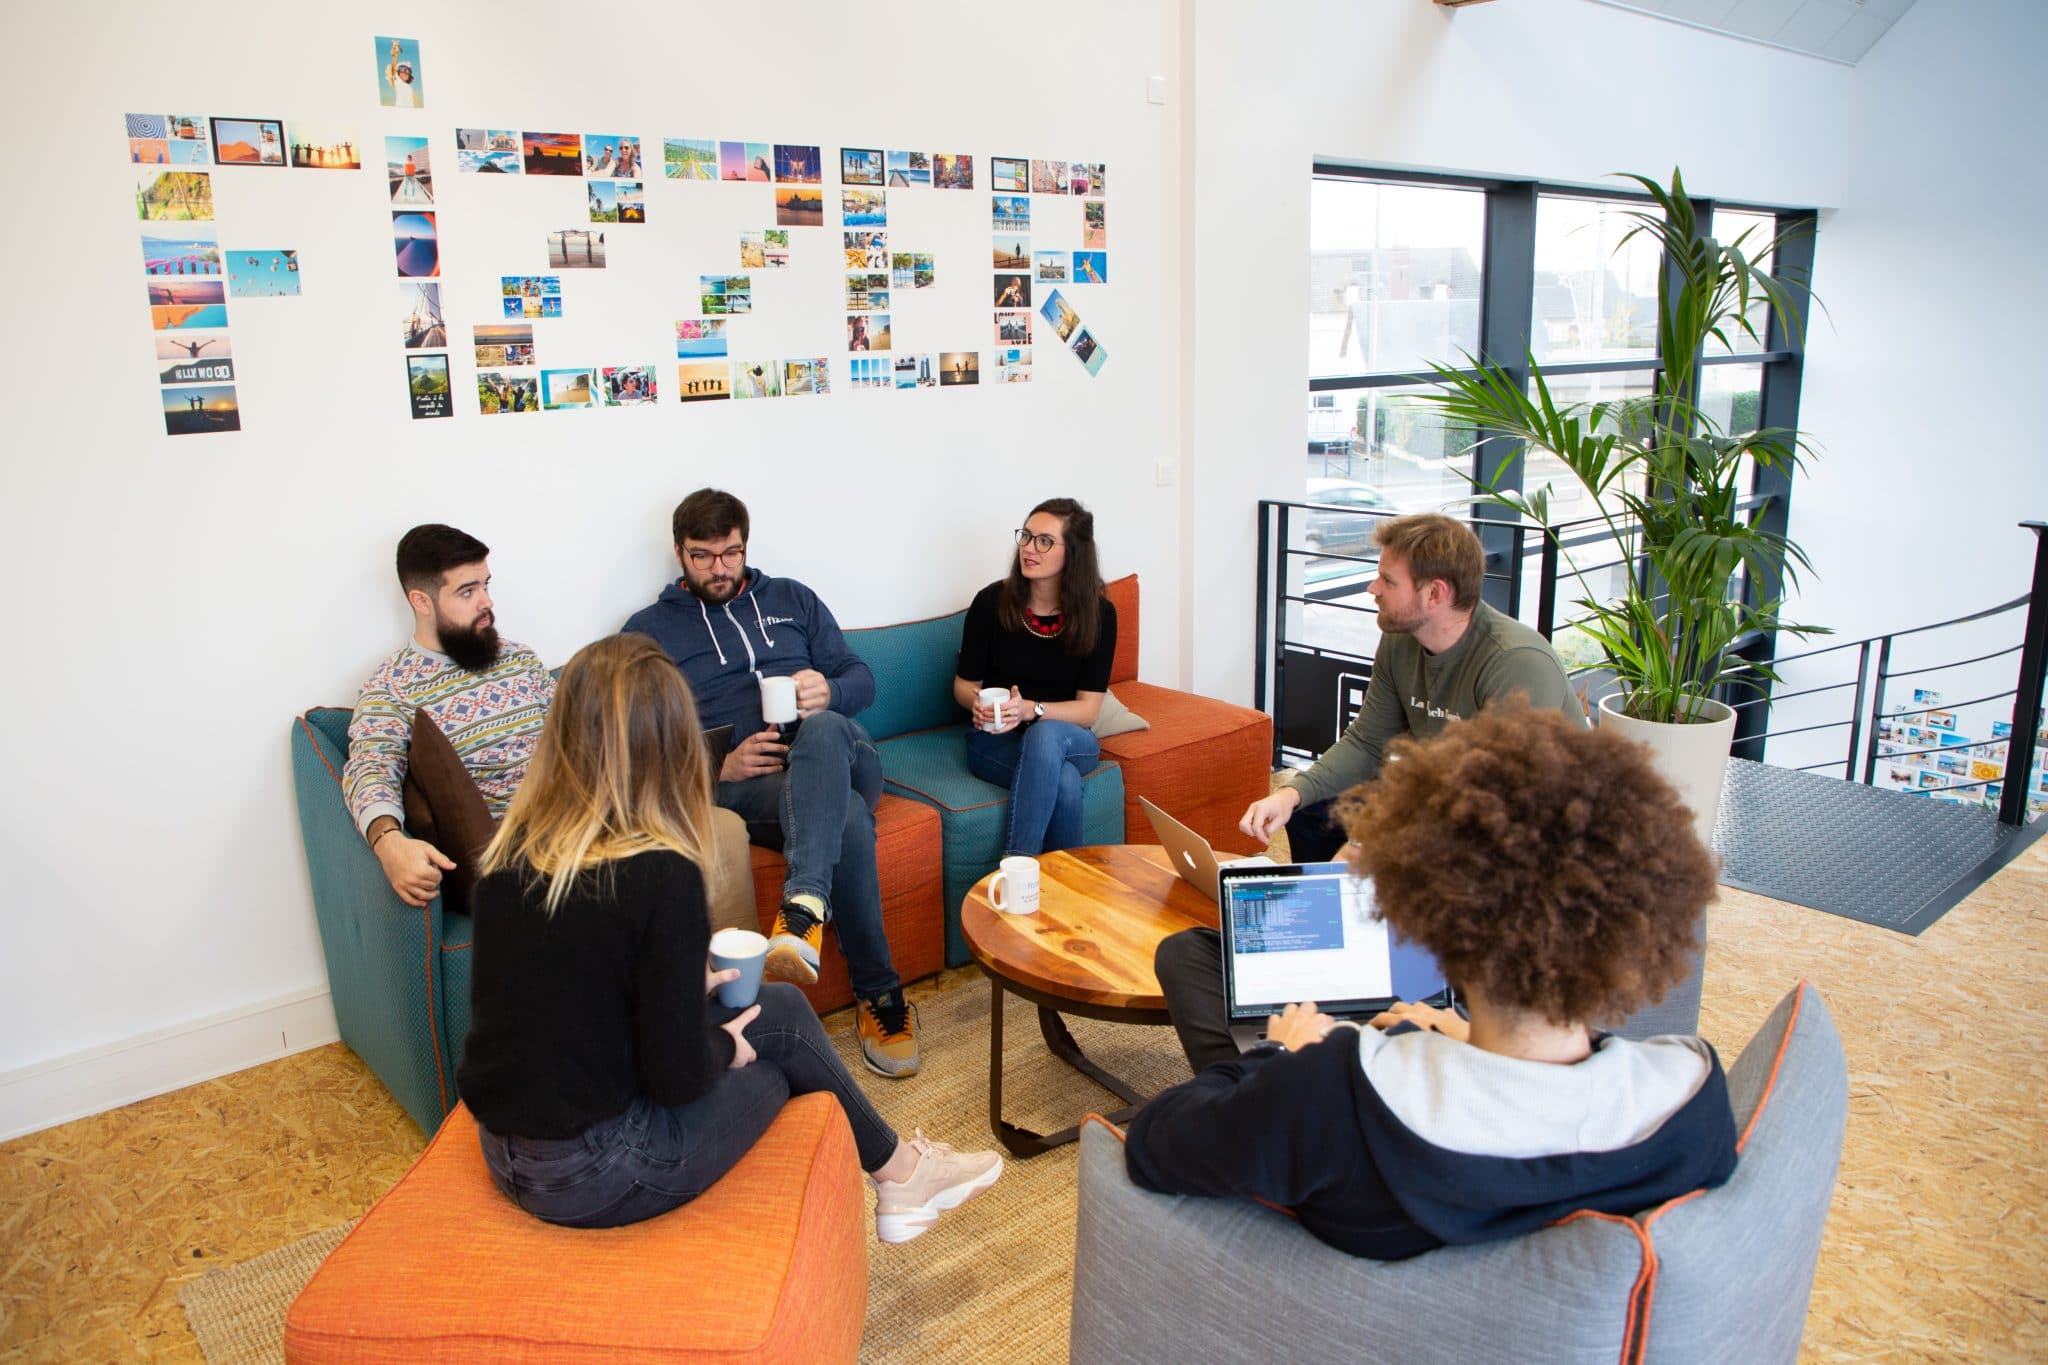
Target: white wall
point(174, 602)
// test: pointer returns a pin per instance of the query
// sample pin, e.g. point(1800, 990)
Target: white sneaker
point(943, 1179)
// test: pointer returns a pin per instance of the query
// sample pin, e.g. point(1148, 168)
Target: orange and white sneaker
point(798, 939)
point(943, 1179)
point(887, 1026)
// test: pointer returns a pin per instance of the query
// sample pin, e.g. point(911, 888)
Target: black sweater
point(1308, 1131)
point(573, 1015)
point(1034, 665)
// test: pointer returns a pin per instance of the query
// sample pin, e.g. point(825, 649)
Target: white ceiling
point(1839, 30)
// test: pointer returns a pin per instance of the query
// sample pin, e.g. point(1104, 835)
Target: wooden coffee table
point(1088, 952)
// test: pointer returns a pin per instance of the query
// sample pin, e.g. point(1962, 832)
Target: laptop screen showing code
point(1314, 933)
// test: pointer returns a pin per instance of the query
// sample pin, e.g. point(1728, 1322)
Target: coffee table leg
point(1023, 1142)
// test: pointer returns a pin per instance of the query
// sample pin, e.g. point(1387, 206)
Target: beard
point(473, 647)
point(715, 591)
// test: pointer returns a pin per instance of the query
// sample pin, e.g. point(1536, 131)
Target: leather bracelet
point(388, 830)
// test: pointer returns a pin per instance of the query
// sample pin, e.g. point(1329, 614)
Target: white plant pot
point(1692, 757)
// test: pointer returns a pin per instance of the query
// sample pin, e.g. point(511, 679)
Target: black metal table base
point(1023, 1142)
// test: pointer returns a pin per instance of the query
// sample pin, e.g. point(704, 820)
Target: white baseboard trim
point(98, 1079)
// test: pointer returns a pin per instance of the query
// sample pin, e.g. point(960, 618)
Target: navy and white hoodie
point(1390, 1144)
point(771, 627)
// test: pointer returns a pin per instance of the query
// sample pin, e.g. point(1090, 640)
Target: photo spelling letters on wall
point(192, 274)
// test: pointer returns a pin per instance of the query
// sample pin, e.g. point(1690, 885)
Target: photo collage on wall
point(193, 276)
point(1923, 751)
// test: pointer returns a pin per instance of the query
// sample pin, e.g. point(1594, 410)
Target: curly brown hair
point(1546, 865)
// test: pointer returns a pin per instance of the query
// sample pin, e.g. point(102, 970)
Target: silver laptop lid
point(1189, 852)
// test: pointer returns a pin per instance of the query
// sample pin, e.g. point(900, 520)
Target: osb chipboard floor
point(1935, 1245)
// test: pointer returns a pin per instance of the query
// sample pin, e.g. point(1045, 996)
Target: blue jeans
point(1042, 764)
point(654, 1158)
point(821, 814)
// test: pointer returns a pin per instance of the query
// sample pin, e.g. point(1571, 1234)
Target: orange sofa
point(768, 1265)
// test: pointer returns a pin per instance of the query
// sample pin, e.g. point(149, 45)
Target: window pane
point(1753, 231)
point(1383, 449)
point(1593, 302)
point(1569, 500)
point(1394, 275)
point(1732, 398)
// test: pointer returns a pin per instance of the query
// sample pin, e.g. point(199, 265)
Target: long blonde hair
point(620, 768)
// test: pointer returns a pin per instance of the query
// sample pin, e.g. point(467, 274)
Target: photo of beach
point(248, 141)
point(909, 168)
point(503, 343)
point(1014, 365)
point(953, 171)
point(190, 411)
point(399, 75)
point(409, 171)
point(959, 367)
point(1094, 223)
point(1052, 265)
point(798, 165)
point(419, 317)
point(722, 294)
point(915, 372)
point(1010, 212)
point(603, 196)
point(860, 166)
point(1009, 173)
point(189, 345)
point(703, 380)
point(180, 251)
point(868, 372)
point(426, 378)
point(902, 270)
point(857, 208)
point(489, 151)
point(576, 248)
point(566, 389)
point(176, 304)
point(626, 386)
point(1012, 252)
point(417, 246)
point(744, 161)
point(552, 153)
point(611, 156)
point(799, 206)
point(700, 338)
point(497, 394)
point(322, 146)
point(174, 196)
point(266, 274)
point(687, 158)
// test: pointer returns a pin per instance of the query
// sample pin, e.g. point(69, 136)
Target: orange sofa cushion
point(1123, 666)
point(907, 853)
point(1202, 762)
point(769, 1264)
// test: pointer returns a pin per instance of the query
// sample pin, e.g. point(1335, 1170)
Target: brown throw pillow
point(443, 806)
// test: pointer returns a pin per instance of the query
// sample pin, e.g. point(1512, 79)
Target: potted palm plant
point(1664, 475)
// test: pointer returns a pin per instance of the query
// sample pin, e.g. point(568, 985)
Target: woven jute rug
point(993, 1281)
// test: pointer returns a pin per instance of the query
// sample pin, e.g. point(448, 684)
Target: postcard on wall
point(1094, 223)
point(756, 379)
point(1926, 696)
point(529, 286)
point(1014, 364)
point(1090, 352)
point(1013, 328)
point(632, 201)
point(180, 251)
point(909, 168)
point(719, 294)
point(867, 291)
point(1057, 311)
point(1052, 266)
point(176, 304)
point(419, 250)
point(869, 372)
point(567, 389)
point(1009, 173)
point(799, 205)
point(248, 141)
point(1078, 179)
point(1941, 720)
point(868, 332)
point(698, 338)
point(499, 394)
point(168, 140)
point(427, 382)
point(902, 270)
point(503, 343)
point(419, 317)
point(489, 151)
point(1098, 179)
point(1091, 267)
point(959, 367)
point(864, 208)
point(806, 378)
point(922, 270)
point(409, 172)
point(603, 199)
point(576, 249)
point(611, 156)
point(552, 153)
point(1010, 212)
point(860, 166)
point(399, 82)
point(174, 196)
point(699, 380)
point(190, 345)
point(689, 158)
point(197, 372)
point(1011, 252)
point(745, 161)
point(1048, 177)
point(916, 372)
point(866, 250)
point(1012, 290)
point(953, 171)
point(626, 386)
point(271, 273)
point(324, 146)
point(194, 411)
point(798, 164)
point(1983, 770)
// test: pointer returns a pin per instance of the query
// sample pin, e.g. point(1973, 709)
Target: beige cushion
point(732, 881)
point(1117, 719)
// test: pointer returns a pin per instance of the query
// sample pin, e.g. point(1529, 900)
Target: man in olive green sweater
point(1443, 655)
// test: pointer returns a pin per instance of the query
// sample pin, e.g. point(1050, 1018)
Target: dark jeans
point(1312, 836)
point(1042, 764)
point(821, 814)
point(1189, 966)
point(653, 1158)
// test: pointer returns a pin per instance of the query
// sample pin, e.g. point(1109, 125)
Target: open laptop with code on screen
point(1310, 931)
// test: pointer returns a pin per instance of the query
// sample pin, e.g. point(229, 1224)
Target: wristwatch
point(1038, 710)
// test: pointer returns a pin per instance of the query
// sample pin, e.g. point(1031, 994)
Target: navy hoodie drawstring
point(709, 631)
point(761, 625)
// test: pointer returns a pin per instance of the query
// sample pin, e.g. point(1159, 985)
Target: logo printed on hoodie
point(778, 620)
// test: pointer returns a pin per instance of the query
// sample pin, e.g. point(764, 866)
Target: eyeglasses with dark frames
point(731, 557)
point(1042, 544)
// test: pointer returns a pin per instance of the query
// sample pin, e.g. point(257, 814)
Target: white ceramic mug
point(995, 697)
point(1019, 876)
point(778, 700)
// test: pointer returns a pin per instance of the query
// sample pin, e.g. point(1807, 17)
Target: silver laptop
point(1190, 853)
point(1310, 931)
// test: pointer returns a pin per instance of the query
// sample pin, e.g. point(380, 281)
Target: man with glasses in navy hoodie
point(810, 792)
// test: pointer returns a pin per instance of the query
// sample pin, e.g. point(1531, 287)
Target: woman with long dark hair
point(608, 1086)
point(1047, 634)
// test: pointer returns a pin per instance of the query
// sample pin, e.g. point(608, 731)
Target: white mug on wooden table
point(1019, 876)
point(994, 697)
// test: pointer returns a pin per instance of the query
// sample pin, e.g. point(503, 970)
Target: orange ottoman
point(908, 856)
point(769, 1264)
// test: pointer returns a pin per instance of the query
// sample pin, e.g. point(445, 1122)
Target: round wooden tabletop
point(1102, 912)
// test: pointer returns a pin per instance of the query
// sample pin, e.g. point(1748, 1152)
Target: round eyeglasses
point(1027, 541)
point(731, 557)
